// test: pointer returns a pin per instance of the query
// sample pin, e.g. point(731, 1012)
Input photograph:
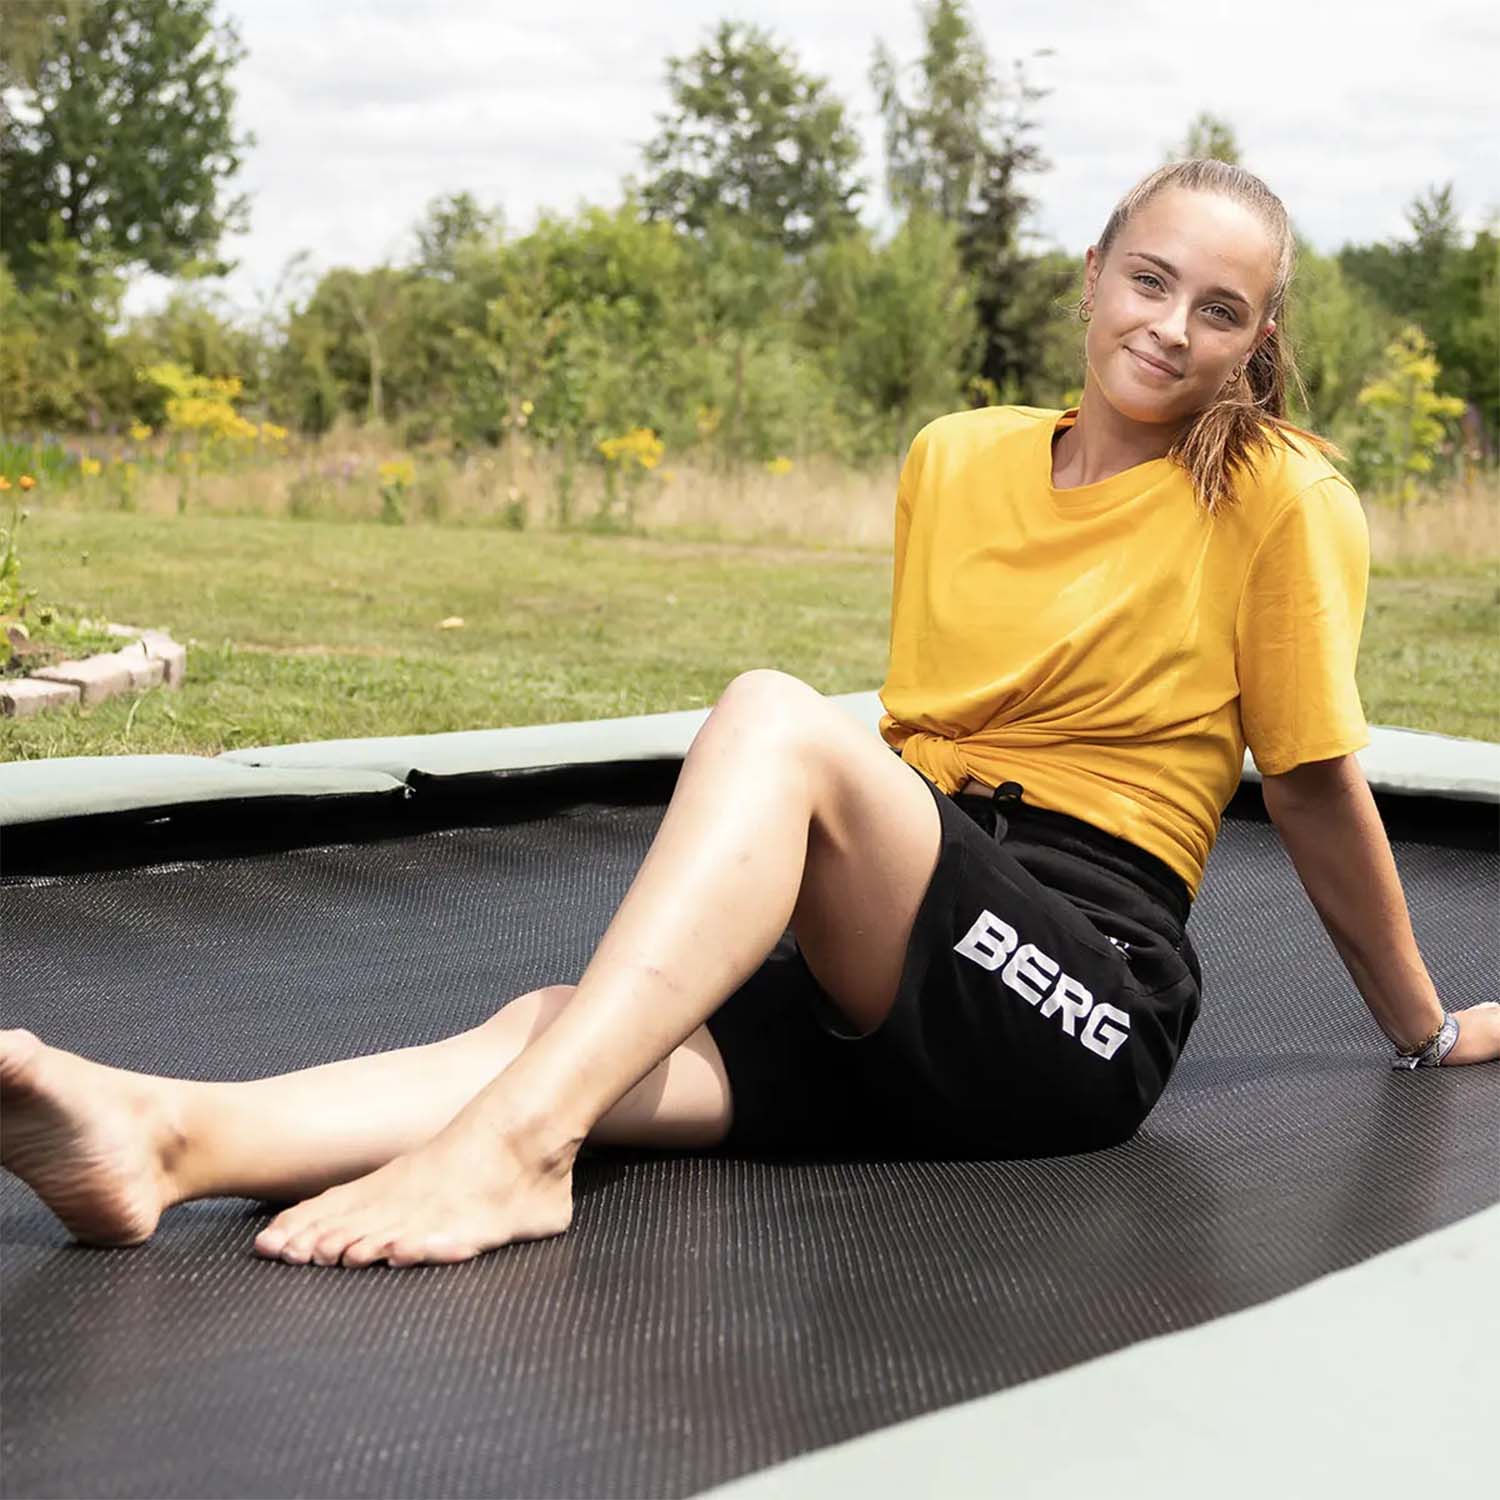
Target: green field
point(319, 630)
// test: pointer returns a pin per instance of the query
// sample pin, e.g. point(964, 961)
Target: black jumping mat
point(705, 1316)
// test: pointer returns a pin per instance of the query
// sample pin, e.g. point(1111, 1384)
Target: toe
point(270, 1240)
point(299, 1247)
point(367, 1250)
point(435, 1249)
point(404, 1253)
point(331, 1243)
point(286, 1226)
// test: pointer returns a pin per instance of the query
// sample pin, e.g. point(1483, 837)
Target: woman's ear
point(1090, 271)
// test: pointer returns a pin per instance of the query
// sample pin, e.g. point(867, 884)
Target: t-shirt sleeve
point(1298, 629)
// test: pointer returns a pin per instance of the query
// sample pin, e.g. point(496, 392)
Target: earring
point(1085, 313)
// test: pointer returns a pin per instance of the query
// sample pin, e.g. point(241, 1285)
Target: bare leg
point(785, 809)
point(108, 1150)
point(344, 1119)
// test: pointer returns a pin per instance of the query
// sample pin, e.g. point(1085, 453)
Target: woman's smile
point(1154, 367)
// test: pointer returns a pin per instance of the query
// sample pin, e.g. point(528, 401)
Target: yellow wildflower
point(89, 467)
point(139, 431)
point(196, 403)
point(4, 483)
point(707, 420)
point(27, 482)
point(639, 446)
point(272, 433)
point(397, 471)
point(781, 464)
point(527, 408)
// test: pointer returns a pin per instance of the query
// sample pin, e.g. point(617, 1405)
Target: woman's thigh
point(872, 845)
point(873, 840)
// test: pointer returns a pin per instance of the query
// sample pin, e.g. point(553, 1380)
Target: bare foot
point(89, 1140)
point(464, 1192)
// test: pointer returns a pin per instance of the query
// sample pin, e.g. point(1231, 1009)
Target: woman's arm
point(1328, 821)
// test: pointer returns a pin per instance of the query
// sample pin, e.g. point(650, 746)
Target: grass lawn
point(319, 630)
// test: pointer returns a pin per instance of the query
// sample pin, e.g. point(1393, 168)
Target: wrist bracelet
point(1432, 1053)
point(1427, 1040)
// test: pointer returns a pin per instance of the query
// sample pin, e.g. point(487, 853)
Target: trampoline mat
point(705, 1316)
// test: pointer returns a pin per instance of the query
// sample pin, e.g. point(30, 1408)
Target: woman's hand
point(1478, 1035)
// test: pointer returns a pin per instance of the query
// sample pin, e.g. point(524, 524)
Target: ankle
point(178, 1140)
point(543, 1143)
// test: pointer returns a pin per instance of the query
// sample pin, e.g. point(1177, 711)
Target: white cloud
point(366, 109)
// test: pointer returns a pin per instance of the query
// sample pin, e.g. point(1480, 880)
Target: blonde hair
point(1249, 410)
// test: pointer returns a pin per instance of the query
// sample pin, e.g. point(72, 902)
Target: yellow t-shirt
point(1112, 647)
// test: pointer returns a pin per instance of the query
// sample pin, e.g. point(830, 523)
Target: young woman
point(976, 947)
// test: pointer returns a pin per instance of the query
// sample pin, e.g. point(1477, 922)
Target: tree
point(58, 366)
point(1408, 275)
point(752, 138)
point(895, 323)
point(374, 301)
point(1471, 336)
point(1013, 289)
point(935, 140)
point(26, 34)
point(1402, 419)
point(1338, 332)
point(1450, 289)
point(1209, 137)
point(340, 344)
point(195, 329)
point(120, 133)
point(957, 148)
point(447, 225)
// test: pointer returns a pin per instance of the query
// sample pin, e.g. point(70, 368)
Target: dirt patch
point(745, 551)
point(253, 648)
point(27, 655)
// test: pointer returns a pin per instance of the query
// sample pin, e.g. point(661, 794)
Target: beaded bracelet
point(1432, 1052)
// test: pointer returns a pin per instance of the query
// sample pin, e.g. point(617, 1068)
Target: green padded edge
point(1405, 760)
point(38, 791)
point(1317, 1392)
point(1401, 760)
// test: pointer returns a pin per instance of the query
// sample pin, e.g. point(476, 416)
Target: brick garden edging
point(152, 659)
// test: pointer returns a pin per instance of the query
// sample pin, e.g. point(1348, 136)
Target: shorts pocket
point(1155, 965)
point(1158, 969)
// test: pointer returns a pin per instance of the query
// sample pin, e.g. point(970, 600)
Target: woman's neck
point(1101, 443)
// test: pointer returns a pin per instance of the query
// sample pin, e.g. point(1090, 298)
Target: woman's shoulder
point(1288, 464)
point(981, 425)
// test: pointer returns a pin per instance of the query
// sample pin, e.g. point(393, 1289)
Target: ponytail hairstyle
point(1251, 406)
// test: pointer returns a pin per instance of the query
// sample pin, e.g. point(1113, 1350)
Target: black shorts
point(1048, 989)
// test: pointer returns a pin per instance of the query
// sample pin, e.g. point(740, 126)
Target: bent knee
point(536, 1009)
point(766, 701)
point(766, 690)
point(556, 994)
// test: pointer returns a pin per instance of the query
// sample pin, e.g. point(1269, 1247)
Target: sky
point(364, 110)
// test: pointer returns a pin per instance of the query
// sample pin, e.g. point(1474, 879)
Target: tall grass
point(1455, 530)
point(817, 502)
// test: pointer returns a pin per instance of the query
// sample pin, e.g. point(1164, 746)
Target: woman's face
point(1183, 287)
